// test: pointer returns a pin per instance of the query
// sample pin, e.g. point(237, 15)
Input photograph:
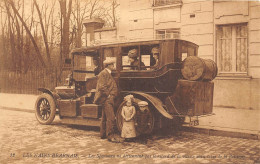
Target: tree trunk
point(38, 53)
point(11, 37)
point(44, 34)
point(65, 16)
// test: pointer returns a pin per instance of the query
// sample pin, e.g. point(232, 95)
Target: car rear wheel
point(144, 121)
point(45, 109)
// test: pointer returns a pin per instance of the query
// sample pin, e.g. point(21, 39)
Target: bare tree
point(35, 37)
point(109, 14)
point(11, 35)
point(114, 17)
point(38, 53)
point(4, 31)
point(44, 32)
point(65, 27)
point(88, 9)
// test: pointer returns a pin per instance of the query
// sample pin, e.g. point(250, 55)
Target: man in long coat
point(106, 91)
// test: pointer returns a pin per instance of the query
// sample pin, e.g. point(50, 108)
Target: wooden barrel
point(195, 68)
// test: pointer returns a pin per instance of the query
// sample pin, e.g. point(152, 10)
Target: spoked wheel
point(144, 120)
point(45, 109)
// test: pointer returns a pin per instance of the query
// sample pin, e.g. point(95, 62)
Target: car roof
point(94, 48)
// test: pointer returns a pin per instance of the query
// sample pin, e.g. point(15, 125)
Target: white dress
point(128, 129)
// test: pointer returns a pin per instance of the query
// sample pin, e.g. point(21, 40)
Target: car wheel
point(144, 122)
point(45, 109)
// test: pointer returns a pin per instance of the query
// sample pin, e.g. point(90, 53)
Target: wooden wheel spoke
point(46, 115)
point(45, 109)
point(42, 115)
point(41, 105)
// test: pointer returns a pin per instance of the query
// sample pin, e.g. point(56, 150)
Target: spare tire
point(195, 68)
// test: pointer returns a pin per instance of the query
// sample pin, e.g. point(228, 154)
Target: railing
point(165, 2)
point(29, 82)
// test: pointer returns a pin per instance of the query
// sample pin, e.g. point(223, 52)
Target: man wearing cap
point(106, 91)
point(143, 117)
point(155, 52)
point(132, 55)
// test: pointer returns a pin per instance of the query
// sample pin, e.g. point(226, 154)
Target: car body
point(170, 97)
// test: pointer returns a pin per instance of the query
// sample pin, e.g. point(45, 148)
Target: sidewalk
point(242, 123)
point(231, 122)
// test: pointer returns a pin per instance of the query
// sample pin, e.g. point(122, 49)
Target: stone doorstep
point(213, 131)
point(225, 132)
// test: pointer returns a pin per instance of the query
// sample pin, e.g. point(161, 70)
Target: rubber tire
point(52, 104)
point(119, 121)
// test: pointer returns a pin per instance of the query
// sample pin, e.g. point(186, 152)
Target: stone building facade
point(227, 32)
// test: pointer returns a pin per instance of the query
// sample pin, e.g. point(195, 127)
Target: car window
point(84, 63)
point(110, 53)
point(126, 61)
point(148, 57)
point(188, 50)
point(131, 61)
point(84, 67)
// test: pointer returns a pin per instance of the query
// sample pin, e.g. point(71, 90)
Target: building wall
point(198, 22)
point(136, 20)
point(254, 39)
point(197, 25)
point(105, 35)
point(237, 91)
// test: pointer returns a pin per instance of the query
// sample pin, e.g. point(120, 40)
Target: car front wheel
point(45, 109)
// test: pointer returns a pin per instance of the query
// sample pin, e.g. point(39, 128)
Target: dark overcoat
point(106, 86)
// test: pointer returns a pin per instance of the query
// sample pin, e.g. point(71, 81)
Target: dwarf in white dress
point(128, 113)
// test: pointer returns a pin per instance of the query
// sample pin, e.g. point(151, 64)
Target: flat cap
point(109, 61)
point(142, 103)
point(132, 53)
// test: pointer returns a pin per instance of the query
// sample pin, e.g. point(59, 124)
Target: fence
point(28, 83)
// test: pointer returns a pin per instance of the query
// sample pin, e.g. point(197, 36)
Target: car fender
point(157, 103)
point(48, 91)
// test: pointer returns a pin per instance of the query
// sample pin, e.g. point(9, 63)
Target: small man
point(128, 113)
point(142, 117)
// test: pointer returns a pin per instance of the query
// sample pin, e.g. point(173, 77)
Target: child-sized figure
point(128, 113)
point(143, 117)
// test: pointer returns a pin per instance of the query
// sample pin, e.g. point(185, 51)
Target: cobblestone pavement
point(24, 140)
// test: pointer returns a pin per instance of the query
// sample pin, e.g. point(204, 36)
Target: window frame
point(233, 50)
point(139, 56)
point(175, 31)
point(159, 3)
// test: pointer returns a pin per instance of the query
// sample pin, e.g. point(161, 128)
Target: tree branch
point(28, 32)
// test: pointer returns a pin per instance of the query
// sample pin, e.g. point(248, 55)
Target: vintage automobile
point(179, 86)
